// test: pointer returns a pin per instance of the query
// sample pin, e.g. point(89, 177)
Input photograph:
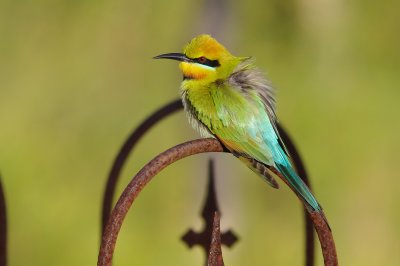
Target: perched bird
point(228, 98)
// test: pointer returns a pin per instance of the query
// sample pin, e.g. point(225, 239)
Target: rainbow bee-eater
point(228, 98)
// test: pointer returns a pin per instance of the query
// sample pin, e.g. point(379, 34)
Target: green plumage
point(228, 98)
point(236, 114)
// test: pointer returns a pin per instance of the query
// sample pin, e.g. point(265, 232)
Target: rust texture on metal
point(3, 226)
point(322, 228)
point(139, 181)
point(203, 238)
point(325, 238)
point(301, 170)
point(125, 150)
point(215, 253)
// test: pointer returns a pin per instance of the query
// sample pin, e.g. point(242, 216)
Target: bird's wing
point(258, 94)
point(250, 80)
point(244, 125)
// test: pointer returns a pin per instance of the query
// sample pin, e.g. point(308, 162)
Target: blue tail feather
point(298, 185)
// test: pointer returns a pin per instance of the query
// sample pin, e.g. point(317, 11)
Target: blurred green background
point(77, 76)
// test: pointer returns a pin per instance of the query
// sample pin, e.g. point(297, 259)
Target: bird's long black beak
point(173, 56)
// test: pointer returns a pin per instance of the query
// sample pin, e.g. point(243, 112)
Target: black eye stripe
point(207, 62)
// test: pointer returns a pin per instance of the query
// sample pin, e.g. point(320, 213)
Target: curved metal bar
point(125, 150)
point(301, 170)
point(321, 225)
point(137, 184)
point(155, 166)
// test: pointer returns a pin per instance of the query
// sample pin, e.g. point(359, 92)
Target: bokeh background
point(77, 76)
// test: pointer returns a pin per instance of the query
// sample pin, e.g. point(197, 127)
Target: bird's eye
point(202, 59)
point(207, 62)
